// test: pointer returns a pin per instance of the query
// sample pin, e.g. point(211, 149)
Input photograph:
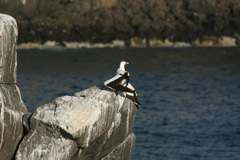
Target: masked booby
point(120, 82)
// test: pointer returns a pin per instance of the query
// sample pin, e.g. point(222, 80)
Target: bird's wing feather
point(130, 86)
point(114, 81)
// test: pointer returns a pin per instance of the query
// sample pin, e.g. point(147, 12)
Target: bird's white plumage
point(122, 69)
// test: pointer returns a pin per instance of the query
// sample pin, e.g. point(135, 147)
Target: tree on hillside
point(106, 20)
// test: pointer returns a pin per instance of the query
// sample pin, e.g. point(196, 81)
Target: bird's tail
point(134, 98)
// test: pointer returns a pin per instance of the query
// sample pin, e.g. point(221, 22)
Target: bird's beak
point(127, 63)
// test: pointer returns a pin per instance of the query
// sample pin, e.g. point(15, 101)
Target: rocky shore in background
point(94, 124)
point(135, 43)
point(103, 21)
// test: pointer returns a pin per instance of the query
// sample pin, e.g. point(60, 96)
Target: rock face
point(8, 38)
point(91, 125)
point(11, 105)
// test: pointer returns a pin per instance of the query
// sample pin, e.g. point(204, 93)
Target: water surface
point(190, 97)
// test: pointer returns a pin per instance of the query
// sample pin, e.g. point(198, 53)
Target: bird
point(120, 82)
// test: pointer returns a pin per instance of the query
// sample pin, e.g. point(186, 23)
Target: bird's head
point(123, 64)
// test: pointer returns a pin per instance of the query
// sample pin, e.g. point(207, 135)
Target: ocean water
point(190, 97)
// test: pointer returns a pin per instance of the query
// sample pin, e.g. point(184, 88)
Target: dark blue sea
point(190, 96)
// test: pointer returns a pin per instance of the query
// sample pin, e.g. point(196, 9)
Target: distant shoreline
point(135, 43)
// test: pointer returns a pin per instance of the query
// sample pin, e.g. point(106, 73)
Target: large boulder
point(11, 112)
point(11, 106)
point(91, 125)
point(8, 56)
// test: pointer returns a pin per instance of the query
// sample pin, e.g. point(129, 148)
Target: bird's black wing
point(114, 82)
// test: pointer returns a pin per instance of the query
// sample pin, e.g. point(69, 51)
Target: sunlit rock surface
point(91, 125)
point(46, 143)
point(11, 106)
point(122, 151)
point(8, 38)
point(11, 111)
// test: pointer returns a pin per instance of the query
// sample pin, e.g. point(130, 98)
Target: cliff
point(11, 105)
point(94, 124)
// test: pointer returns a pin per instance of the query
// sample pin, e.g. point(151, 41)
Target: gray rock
point(122, 151)
point(93, 121)
point(46, 143)
point(121, 127)
point(11, 111)
point(11, 106)
point(8, 56)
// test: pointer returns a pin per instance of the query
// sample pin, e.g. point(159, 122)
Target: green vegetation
point(107, 20)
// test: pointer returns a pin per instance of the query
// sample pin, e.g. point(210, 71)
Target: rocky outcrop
point(91, 125)
point(11, 105)
point(8, 38)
